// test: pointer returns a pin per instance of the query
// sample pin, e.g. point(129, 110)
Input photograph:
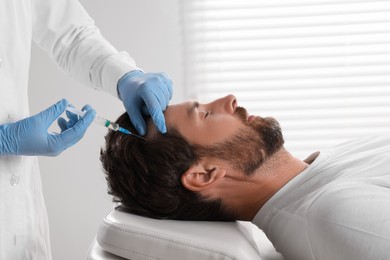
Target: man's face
point(226, 131)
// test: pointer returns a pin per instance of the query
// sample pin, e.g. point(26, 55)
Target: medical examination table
point(125, 236)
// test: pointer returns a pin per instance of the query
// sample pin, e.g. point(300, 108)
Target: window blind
point(320, 67)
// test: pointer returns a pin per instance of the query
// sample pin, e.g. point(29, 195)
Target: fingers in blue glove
point(72, 117)
point(32, 136)
point(29, 136)
point(147, 93)
point(72, 120)
point(86, 108)
point(166, 90)
point(50, 114)
point(62, 123)
point(155, 107)
point(137, 120)
point(72, 135)
point(168, 82)
point(156, 99)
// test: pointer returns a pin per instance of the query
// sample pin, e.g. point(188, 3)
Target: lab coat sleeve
point(69, 35)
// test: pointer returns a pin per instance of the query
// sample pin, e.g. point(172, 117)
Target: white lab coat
point(68, 34)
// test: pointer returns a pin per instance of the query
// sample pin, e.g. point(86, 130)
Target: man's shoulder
point(350, 220)
point(358, 204)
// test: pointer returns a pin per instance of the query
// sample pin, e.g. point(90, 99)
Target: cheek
point(243, 151)
point(221, 129)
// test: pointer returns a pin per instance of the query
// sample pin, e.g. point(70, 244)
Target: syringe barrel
point(75, 111)
point(106, 123)
point(98, 120)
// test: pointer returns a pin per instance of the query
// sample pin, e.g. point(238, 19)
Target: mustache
point(242, 114)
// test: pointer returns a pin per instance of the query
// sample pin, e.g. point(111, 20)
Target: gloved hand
point(148, 93)
point(30, 137)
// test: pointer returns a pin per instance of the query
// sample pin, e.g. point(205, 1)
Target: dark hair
point(145, 176)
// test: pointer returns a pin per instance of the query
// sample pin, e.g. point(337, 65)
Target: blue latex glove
point(148, 93)
point(30, 137)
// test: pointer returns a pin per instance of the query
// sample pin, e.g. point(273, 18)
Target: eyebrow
point(191, 108)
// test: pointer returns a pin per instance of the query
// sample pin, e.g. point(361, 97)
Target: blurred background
point(321, 67)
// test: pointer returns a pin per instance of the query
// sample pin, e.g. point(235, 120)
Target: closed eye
point(205, 113)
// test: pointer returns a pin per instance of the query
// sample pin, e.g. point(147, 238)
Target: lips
point(250, 118)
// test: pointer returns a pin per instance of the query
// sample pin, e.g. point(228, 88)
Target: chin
point(270, 132)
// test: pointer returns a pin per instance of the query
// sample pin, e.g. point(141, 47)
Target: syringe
point(104, 122)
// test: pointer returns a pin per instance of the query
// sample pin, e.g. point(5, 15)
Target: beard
point(254, 143)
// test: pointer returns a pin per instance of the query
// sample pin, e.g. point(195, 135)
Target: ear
point(202, 176)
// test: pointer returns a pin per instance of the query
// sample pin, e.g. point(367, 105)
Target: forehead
point(175, 115)
point(180, 109)
point(178, 116)
point(195, 128)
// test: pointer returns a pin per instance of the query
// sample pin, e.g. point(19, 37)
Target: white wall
point(74, 185)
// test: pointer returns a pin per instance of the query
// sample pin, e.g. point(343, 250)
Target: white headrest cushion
point(134, 237)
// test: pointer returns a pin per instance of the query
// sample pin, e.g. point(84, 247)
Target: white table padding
point(138, 238)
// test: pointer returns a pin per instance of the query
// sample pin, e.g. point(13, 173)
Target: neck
point(276, 171)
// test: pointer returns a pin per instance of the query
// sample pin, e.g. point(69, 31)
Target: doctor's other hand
point(147, 93)
point(30, 136)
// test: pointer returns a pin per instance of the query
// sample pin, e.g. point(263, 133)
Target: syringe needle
point(104, 122)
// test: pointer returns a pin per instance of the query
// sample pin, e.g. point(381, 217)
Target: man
point(218, 163)
point(65, 31)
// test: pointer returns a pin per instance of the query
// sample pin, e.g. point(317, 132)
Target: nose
point(227, 104)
